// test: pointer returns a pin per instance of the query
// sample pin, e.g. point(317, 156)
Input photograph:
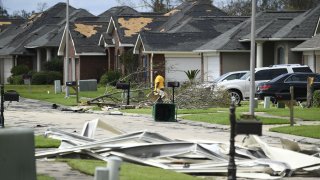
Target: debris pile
point(254, 160)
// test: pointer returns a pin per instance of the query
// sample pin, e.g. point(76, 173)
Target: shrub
point(316, 98)
point(19, 70)
point(110, 77)
point(16, 80)
point(54, 65)
point(46, 77)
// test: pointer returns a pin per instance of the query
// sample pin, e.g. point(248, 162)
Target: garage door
point(175, 67)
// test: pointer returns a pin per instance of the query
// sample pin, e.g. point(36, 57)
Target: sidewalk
point(40, 116)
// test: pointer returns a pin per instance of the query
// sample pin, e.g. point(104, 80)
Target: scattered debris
point(134, 25)
point(256, 160)
point(86, 30)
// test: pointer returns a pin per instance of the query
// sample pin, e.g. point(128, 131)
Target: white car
point(239, 89)
point(225, 77)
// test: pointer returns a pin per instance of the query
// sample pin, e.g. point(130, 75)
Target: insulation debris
point(172, 12)
point(86, 30)
point(257, 160)
point(134, 25)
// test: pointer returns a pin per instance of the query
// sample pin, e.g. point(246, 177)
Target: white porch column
point(73, 69)
point(151, 69)
point(38, 60)
point(48, 54)
point(259, 54)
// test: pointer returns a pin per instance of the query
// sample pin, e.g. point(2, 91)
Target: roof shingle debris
point(255, 159)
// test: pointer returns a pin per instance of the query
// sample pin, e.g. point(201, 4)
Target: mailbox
point(173, 84)
point(249, 127)
point(120, 85)
point(11, 95)
point(71, 83)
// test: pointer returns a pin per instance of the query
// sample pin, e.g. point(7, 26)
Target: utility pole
point(66, 62)
point(252, 58)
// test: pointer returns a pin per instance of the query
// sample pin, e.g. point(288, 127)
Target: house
point(35, 41)
point(189, 26)
point(88, 60)
point(122, 33)
point(311, 52)
point(277, 32)
point(175, 49)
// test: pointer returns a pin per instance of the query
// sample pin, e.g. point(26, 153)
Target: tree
point(3, 11)
point(154, 5)
point(299, 4)
point(22, 13)
point(243, 7)
point(41, 6)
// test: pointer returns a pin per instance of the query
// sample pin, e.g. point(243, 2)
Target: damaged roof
point(194, 33)
point(268, 24)
point(188, 10)
point(41, 30)
point(183, 41)
point(118, 11)
point(7, 22)
point(128, 27)
point(86, 32)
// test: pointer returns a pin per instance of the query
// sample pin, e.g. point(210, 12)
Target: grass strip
point(128, 171)
point(312, 131)
point(43, 142)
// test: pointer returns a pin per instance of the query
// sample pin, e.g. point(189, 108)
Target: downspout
point(151, 69)
point(202, 68)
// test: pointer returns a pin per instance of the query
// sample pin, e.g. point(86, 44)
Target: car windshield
point(221, 77)
point(244, 77)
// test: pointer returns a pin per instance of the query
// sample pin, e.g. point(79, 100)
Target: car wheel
point(235, 97)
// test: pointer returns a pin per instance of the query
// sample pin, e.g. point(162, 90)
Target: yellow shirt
point(159, 79)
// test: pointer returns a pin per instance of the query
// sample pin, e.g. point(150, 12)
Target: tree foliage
point(3, 12)
point(243, 7)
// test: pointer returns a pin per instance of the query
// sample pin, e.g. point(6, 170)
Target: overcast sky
point(94, 6)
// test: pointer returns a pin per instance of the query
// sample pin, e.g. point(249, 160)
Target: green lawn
point(43, 142)
point(312, 131)
point(44, 177)
point(128, 171)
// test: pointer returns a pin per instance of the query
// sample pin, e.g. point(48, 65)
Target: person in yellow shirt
point(159, 85)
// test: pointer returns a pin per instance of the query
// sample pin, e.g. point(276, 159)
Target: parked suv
point(282, 83)
point(240, 89)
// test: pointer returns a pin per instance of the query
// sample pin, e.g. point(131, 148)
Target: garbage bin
point(164, 112)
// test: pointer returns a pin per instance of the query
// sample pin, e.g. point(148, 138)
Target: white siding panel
point(175, 67)
point(213, 67)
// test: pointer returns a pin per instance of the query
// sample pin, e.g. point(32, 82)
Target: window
point(317, 79)
point(301, 69)
point(297, 78)
point(269, 74)
point(277, 72)
point(262, 75)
